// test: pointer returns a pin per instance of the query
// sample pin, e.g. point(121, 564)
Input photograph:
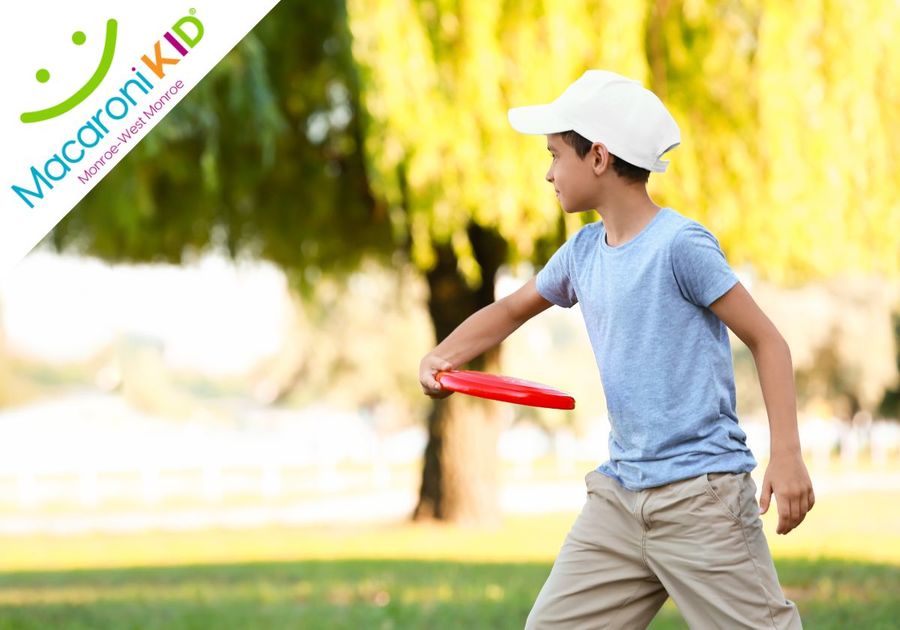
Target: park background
point(210, 413)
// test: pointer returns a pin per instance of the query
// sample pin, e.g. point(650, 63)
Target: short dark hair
point(622, 168)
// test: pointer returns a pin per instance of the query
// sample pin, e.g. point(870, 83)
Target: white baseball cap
point(606, 107)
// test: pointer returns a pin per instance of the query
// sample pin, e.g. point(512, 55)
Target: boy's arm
point(480, 332)
point(786, 474)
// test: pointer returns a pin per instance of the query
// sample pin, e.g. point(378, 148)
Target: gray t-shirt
point(664, 357)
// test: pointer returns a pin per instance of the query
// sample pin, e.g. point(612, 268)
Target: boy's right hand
point(429, 366)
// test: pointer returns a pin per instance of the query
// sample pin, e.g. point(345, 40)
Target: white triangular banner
point(85, 82)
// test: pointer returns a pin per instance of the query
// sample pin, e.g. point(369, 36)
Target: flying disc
point(504, 389)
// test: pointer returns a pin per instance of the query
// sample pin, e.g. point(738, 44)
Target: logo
point(85, 83)
point(138, 98)
point(43, 75)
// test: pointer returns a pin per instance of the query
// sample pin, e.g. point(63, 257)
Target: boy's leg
point(599, 579)
point(705, 543)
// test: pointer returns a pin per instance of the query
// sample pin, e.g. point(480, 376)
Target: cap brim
point(537, 120)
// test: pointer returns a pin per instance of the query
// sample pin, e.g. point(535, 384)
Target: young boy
point(673, 511)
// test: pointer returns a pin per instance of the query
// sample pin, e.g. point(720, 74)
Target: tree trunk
point(460, 476)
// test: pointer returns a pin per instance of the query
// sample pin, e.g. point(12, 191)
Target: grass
point(378, 594)
point(842, 567)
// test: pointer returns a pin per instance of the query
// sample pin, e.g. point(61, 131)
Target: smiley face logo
point(43, 75)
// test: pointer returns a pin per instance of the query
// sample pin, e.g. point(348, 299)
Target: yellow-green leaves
point(789, 111)
point(438, 79)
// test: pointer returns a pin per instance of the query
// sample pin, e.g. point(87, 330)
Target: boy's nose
point(549, 176)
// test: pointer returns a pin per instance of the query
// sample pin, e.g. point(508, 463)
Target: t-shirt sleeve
point(554, 281)
point(701, 271)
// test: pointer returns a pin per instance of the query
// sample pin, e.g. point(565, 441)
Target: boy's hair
point(622, 168)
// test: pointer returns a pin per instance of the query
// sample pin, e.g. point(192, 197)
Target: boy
point(673, 511)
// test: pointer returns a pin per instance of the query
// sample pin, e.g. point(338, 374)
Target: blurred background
point(209, 407)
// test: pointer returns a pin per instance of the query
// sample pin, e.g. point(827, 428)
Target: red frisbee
point(504, 388)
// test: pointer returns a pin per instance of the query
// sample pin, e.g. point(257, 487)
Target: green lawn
point(842, 567)
point(378, 594)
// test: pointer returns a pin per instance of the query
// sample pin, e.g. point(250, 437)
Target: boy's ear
point(600, 158)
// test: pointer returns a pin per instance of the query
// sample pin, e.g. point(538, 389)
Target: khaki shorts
point(698, 541)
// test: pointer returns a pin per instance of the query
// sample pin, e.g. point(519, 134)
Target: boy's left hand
point(787, 477)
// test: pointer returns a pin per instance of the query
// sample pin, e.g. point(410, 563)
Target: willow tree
point(436, 80)
point(788, 115)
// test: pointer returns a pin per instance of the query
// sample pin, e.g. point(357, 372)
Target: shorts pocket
point(724, 489)
point(596, 482)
